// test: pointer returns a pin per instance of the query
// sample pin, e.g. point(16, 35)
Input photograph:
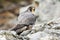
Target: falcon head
point(31, 9)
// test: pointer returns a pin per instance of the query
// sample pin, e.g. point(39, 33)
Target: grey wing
point(27, 18)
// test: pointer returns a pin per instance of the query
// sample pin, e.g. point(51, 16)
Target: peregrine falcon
point(26, 18)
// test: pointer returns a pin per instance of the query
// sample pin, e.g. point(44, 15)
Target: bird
point(26, 18)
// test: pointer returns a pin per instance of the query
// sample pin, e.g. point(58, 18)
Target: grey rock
point(8, 35)
point(24, 33)
point(42, 36)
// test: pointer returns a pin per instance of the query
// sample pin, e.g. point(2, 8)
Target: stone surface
point(8, 35)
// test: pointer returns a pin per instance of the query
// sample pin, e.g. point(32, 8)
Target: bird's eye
point(33, 9)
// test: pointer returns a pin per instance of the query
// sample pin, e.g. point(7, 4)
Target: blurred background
point(9, 11)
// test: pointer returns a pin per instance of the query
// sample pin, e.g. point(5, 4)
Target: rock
point(35, 36)
point(38, 27)
point(42, 36)
point(46, 31)
point(24, 33)
point(50, 38)
point(47, 10)
point(8, 35)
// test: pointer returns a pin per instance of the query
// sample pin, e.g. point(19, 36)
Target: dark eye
point(33, 9)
